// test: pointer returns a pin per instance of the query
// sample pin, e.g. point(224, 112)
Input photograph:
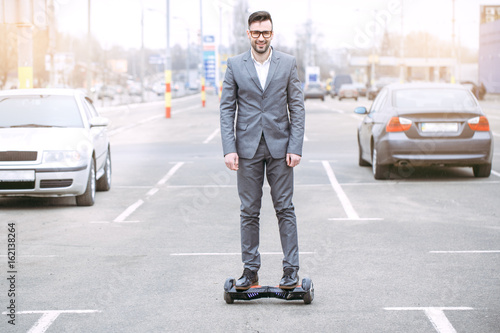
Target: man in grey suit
point(262, 96)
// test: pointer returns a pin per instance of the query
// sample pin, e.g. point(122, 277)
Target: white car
point(53, 143)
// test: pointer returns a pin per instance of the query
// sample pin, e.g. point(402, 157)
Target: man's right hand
point(231, 161)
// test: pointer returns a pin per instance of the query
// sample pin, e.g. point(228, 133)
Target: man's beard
point(261, 51)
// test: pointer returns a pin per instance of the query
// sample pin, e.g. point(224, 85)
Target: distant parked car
point(348, 91)
point(373, 90)
point(338, 81)
point(314, 90)
point(361, 87)
point(53, 143)
point(424, 124)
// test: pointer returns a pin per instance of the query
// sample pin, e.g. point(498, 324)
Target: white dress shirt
point(262, 69)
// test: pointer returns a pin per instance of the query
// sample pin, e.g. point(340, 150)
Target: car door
point(98, 134)
point(366, 128)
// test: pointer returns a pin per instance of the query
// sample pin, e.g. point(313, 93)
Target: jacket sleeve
point(296, 112)
point(228, 105)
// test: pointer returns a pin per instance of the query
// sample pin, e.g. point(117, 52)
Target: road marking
point(132, 208)
point(146, 120)
point(495, 173)
point(33, 256)
point(358, 219)
point(477, 251)
point(129, 211)
point(48, 317)
point(344, 200)
point(436, 316)
point(152, 191)
point(170, 173)
point(211, 136)
point(229, 253)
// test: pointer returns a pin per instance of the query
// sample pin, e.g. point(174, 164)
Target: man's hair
point(259, 16)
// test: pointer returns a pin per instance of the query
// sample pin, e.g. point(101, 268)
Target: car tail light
point(398, 124)
point(479, 124)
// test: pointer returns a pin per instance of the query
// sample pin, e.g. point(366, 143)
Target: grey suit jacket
point(277, 111)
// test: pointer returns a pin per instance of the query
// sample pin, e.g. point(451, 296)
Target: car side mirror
point(360, 110)
point(99, 122)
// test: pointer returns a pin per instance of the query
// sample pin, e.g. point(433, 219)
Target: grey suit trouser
point(250, 182)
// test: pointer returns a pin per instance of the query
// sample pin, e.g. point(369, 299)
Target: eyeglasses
point(256, 34)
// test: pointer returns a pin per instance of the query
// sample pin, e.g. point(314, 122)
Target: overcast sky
point(342, 23)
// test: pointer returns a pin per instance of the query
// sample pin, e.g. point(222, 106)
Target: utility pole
point(168, 65)
point(142, 53)
point(454, 50)
point(202, 69)
point(24, 44)
point(89, 51)
point(402, 47)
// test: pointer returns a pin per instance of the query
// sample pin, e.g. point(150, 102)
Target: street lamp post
point(168, 66)
point(89, 51)
point(202, 69)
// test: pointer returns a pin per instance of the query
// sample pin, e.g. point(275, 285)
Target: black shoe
point(248, 279)
point(290, 278)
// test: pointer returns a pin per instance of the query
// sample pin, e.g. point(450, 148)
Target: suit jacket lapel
point(272, 69)
point(251, 70)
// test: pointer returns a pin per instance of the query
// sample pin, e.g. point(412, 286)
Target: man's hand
point(231, 161)
point(292, 160)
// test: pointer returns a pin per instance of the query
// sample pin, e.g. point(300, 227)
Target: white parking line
point(436, 316)
point(477, 251)
point(344, 200)
point(211, 136)
point(132, 208)
point(229, 253)
point(495, 173)
point(48, 317)
point(129, 211)
point(170, 173)
point(146, 120)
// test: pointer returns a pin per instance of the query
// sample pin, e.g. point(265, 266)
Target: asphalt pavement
point(417, 253)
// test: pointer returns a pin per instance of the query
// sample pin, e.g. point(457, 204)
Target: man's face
point(260, 44)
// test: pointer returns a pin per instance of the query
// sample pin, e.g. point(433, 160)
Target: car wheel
point(483, 170)
point(104, 183)
point(88, 197)
point(379, 171)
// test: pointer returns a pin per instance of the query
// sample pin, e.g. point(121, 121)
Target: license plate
point(439, 127)
point(17, 175)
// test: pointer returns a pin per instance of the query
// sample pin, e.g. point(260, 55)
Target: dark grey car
point(424, 124)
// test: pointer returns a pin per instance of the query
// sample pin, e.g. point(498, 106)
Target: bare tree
point(8, 52)
point(240, 17)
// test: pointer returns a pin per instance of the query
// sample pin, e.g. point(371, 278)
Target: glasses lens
point(265, 34)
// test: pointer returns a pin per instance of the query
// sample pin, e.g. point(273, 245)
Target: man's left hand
point(292, 160)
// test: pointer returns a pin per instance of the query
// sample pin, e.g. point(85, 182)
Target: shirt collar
point(266, 61)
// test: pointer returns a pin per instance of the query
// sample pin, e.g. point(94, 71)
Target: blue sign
point(209, 39)
point(209, 63)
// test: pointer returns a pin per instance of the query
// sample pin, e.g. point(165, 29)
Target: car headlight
point(63, 158)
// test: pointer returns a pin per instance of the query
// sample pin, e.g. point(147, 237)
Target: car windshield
point(432, 99)
point(39, 111)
